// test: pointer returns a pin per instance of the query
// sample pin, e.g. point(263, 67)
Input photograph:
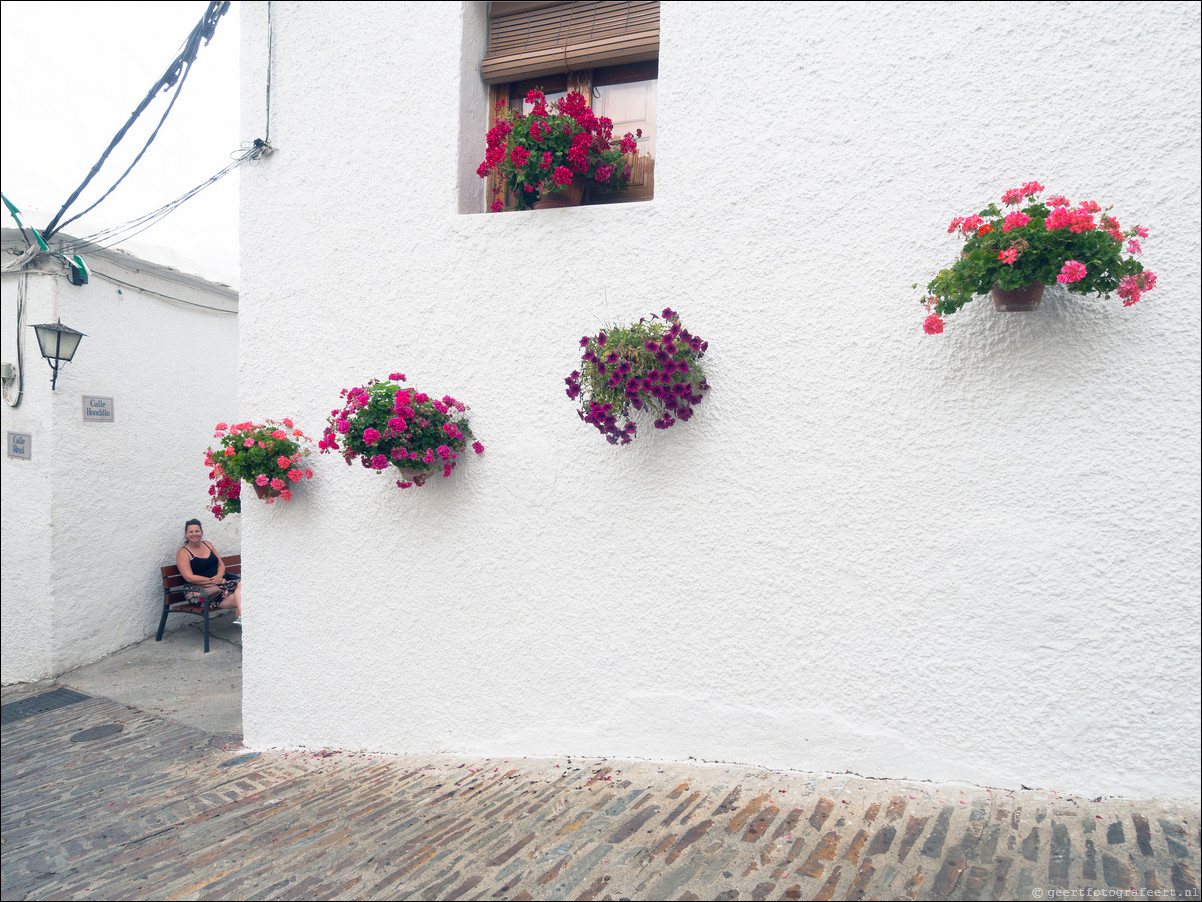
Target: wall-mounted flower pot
point(417, 477)
point(385, 426)
point(1018, 299)
point(265, 491)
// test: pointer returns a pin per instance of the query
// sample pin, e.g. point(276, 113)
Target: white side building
point(969, 556)
point(99, 504)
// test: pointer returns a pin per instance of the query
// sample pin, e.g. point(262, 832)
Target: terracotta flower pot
point(571, 196)
point(265, 491)
point(1018, 299)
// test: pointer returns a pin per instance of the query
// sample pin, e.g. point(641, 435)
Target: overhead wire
point(175, 76)
point(114, 235)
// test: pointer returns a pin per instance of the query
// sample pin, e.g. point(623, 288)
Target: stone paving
point(150, 813)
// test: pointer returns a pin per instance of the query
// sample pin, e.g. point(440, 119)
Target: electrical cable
point(19, 263)
point(19, 377)
point(172, 77)
point(104, 237)
point(267, 127)
point(158, 294)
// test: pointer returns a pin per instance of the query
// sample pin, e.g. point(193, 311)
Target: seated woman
point(201, 567)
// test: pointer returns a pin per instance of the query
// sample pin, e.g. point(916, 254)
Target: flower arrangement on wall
point(1048, 241)
point(384, 424)
point(653, 364)
point(540, 153)
point(267, 455)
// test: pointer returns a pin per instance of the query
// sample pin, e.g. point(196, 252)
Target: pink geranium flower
point(1072, 271)
point(261, 479)
point(1015, 220)
point(278, 484)
point(1082, 222)
point(1131, 288)
point(972, 223)
point(1008, 256)
point(933, 324)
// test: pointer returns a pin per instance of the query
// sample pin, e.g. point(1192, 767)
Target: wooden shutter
point(526, 40)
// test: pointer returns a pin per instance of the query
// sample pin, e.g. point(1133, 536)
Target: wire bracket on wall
point(77, 270)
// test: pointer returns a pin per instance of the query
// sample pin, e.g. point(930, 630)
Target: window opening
point(608, 51)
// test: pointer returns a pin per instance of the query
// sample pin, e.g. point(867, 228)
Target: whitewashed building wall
point(99, 507)
point(972, 556)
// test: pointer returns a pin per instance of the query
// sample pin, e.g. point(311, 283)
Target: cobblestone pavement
point(151, 813)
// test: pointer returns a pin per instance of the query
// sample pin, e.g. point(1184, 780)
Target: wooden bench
point(175, 584)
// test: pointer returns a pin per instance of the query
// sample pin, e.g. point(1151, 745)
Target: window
point(608, 51)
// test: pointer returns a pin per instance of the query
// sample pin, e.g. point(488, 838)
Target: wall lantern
point(58, 343)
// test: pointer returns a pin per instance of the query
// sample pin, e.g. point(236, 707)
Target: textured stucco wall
point(100, 507)
point(973, 556)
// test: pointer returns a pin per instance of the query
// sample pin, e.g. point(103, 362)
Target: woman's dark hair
point(193, 523)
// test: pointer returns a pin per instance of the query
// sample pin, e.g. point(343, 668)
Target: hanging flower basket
point(268, 455)
point(384, 424)
point(654, 364)
point(1046, 242)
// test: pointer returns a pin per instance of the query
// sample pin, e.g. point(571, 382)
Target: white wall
point(973, 556)
point(100, 507)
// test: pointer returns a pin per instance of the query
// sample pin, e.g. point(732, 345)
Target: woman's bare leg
point(233, 600)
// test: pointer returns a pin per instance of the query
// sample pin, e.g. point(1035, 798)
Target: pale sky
point(72, 74)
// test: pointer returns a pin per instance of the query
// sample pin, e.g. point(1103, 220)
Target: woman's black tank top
point(204, 566)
